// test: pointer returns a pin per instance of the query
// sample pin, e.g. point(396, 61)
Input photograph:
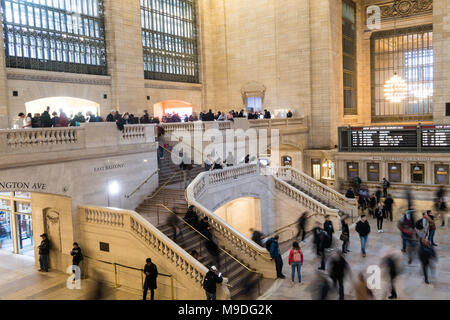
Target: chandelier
point(395, 89)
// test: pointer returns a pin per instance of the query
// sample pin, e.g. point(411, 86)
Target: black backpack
point(209, 282)
point(269, 244)
point(419, 224)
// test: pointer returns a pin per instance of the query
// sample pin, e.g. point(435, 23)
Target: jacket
point(379, 213)
point(77, 256)
point(291, 256)
point(363, 228)
point(210, 282)
point(328, 227)
point(151, 279)
point(274, 249)
point(44, 248)
point(46, 120)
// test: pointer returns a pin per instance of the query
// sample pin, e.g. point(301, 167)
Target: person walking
point(363, 229)
point(379, 214)
point(372, 205)
point(362, 291)
point(296, 261)
point(44, 251)
point(345, 235)
point(275, 254)
point(257, 236)
point(151, 274)
point(427, 255)
point(302, 226)
point(392, 265)
point(386, 186)
point(328, 227)
point(212, 278)
point(388, 205)
point(338, 270)
point(407, 229)
point(431, 227)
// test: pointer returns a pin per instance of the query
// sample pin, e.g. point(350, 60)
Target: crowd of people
point(55, 119)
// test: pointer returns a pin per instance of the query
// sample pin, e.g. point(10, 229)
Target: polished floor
point(19, 280)
point(410, 284)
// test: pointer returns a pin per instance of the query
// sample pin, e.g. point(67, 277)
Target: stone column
point(4, 112)
point(441, 45)
point(125, 55)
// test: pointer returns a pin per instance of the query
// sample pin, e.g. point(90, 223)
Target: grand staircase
point(171, 173)
point(238, 276)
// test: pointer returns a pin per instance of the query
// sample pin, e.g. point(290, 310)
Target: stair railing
point(141, 185)
point(240, 245)
point(227, 254)
point(175, 257)
point(326, 194)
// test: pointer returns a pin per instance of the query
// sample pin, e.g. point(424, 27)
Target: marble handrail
point(234, 238)
point(325, 193)
point(133, 133)
point(149, 235)
point(38, 137)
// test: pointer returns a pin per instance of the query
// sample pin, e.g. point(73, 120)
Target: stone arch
point(70, 105)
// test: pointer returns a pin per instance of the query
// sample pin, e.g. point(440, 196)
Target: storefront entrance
point(16, 227)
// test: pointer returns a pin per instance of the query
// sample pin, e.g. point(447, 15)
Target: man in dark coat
point(191, 217)
point(338, 269)
point(328, 227)
point(388, 204)
point(212, 278)
point(151, 273)
point(46, 120)
point(363, 229)
point(44, 251)
point(302, 225)
point(391, 263)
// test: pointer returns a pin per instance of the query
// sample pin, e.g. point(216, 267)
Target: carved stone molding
point(253, 89)
point(55, 78)
point(406, 8)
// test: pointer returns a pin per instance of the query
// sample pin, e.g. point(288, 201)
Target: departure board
point(436, 136)
point(384, 137)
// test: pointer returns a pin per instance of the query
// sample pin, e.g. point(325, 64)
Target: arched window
point(169, 39)
point(64, 36)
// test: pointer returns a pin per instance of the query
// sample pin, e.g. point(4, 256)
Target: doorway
point(70, 106)
point(16, 223)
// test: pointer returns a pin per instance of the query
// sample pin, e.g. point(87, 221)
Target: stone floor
point(19, 280)
point(410, 284)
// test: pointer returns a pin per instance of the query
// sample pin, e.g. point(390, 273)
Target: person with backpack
point(386, 186)
point(296, 261)
point(431, 227)
point(388, 205)
point(379, 214)
point(407, 228)
point(275, 254)
point(151, 274)
point(320, 240)
point(363, 229)
point(212, 278)
point(372, 205)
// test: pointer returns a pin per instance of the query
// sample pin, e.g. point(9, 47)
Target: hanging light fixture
point(395, 89)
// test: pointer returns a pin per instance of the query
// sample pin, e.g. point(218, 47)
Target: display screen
point(436, 136)
point(384, 137)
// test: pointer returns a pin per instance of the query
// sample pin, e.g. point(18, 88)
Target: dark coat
point(46, 120)
point(363, 228)
point(151, 279)
point(44, 248)
point(77, 256)
point(210, 282)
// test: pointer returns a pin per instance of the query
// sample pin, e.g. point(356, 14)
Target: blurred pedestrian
point(328, 227)
point(256, 236)
point(345, 235)
point(338, 270)
point(391, 262)
point(427, 256)
point(388, 206)
point(362, 291)
point(302, 226)
point(408, 233)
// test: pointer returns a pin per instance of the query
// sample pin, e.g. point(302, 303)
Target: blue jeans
point(210, 296)
point(364, 243)
point(431, 236)
point(161, 152)
point(298, 266)
point(43, 262)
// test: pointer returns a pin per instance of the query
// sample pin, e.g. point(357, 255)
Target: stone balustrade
point(243, 248)
point(89, 135)
point(326, 194)
point(176, 259)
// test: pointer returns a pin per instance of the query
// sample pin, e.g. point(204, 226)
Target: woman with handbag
point(345, 235)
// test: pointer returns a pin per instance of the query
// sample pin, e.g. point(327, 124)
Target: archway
point(242, 214)
point(70, 106)
point(163, 108)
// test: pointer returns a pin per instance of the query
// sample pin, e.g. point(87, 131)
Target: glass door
point(6, 242)
point(25, 240)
